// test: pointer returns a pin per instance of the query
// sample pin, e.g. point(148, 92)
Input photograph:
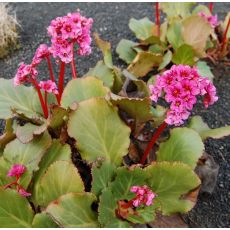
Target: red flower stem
point(225, 36)
point(10, 184)
point(61, 80)
point(73, 66)
point(44, 107)
point(152, 142)
point(46, 101)
point(157, 18)
point(211, 7)
point(50, 68)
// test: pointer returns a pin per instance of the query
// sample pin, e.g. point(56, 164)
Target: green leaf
point(184, 55)
point(184, 145)
point(15, 210)
point(21, 99)
point(27, 132)
point(142, 88)
point(42, 220)
point(119, 190)
point(8, 135)
point(106, 50)
point(102, 72)
point(144, 63)
point(117, 224)
point(107, 135)
point(159, 113)
point(102, 176)
point(142, 28)
point(174, 35)
point(124, 180)
point(74, 210)
point(170, 181)
point(62, 177)
point(197, 124)
point(204, 70)
point(118, 80)
point(176, 9)
point(56, 152)
point(81, 89)
point(151, 40)
point(143, 215)
point(166, 60)
point(106, 208)
point(201, 8)
point(137, 108)
point(27, 154)
point(125, 50)
point(156, 49)
point(195, 32)
point(57, 116)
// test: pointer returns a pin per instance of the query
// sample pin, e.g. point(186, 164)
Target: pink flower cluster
point(17, 171)
point(212, 20)
point(68, 30)
point(180, 86)
point(48, 86)
point(24, 74)
point(144, 195)
point(41, 53)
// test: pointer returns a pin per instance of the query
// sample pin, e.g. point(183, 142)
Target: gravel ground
point(111, 22)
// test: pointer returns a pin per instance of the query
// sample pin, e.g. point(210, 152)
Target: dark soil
point(111, 22)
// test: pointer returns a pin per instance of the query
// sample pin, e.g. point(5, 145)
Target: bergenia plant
point(92, 153)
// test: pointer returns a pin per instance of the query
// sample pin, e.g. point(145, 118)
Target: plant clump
point(8, 30)
point(93, 153)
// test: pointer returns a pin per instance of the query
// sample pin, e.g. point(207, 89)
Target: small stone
point(221, 185)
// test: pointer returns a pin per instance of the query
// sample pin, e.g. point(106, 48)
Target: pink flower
point(210, 96)
point(173, 92)
point(23, 192)
point(155, 91)
point(144, 195)
point(179, 86)
point(16, 170)
point(66, 54)
point(41, 52)
point(176, 117)
point(67, 30)
point(177, 104)
point(212, 20)
point(24, 73)
point(48, 86)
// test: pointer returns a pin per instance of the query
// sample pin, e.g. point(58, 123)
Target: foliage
point(79, 149)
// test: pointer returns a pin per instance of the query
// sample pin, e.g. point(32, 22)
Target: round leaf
point(20, 99)
point(103, 72)
point(99, 131)
point(143, 63)
point(61, 178)
point(73, 210)
point(195, 32)
point(125, 50)
point(170, 181)
point(205, 132)
point(81, 89)
point(142, 28)
point(56, 152)
point(15, 210)
point(27, 154)
point(184, 55)
point(42, 220)
point(184, 145)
